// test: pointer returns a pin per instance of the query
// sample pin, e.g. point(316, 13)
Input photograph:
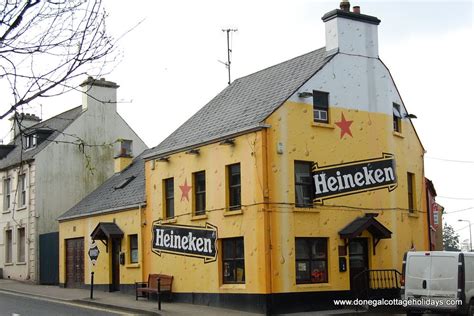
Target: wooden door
point(115, 286)
point(75, 262)
point(358, 262)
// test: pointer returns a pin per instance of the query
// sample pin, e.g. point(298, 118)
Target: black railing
point(373, 281)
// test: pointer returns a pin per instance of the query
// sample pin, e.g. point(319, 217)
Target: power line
point(450, 160)
point(462, 210)
point(454, 198)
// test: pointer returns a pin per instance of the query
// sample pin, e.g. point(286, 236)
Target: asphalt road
point(22, 305)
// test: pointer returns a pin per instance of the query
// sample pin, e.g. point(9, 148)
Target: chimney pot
point(356, 9)
point(345, 5)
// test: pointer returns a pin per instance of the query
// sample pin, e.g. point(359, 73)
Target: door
point(358, 262)
point(115, 286)
point(49, 258)
point(75, 262)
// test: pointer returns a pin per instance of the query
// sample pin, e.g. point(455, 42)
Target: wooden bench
point(157, 284)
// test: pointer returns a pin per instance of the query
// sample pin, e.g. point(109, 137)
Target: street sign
point(93, 253)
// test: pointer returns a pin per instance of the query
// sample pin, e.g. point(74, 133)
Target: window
point(311, 260)
point(8, 246)
point(21, 244)
point(321, 106)
point(411, 192)
point(133, 248)
point(200, 193)
point(6, 194)
point(304, 185)
point(233, 263)
point(169, 197)
point(397, 118)
point(30, 141)
point(233, 174)
point(22, 188)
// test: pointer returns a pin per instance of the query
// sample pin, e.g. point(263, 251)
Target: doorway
point(75, 262)
point(115, 285)
point(358, 262)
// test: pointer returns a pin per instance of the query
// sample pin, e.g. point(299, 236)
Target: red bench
point(157, 284)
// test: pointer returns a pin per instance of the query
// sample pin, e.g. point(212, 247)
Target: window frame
point(168, 197)
point(133, 248)
point(311, 260)
point(234, 189)
point(9, 246)
point(21, 245)
point(22, 189)
point(7, 190)
point(233, 260)
point(199, 193)
point(320, 105)
point(397, 118)
point(411, 191)
point(304, 184)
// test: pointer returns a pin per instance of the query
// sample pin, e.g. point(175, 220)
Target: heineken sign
point(354, 177)
point(192, 241)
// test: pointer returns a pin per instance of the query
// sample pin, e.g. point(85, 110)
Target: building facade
point(47, 168)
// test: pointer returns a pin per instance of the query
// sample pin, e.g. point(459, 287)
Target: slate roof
point(123, 190)
point(57, 124)
point(245, 104)
point(367, 222)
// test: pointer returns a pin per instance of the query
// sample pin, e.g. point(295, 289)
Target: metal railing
point(377, 279)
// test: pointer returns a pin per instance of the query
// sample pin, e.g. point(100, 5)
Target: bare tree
point(46, 44)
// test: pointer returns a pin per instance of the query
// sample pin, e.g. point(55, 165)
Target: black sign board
point(93, 253)
point(192, 241)
point(354, 177)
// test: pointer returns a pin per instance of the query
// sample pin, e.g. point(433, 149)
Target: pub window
point(199, 193)
point(133, 248)
point(311, 260)
point(304, 186)
point(6, 194)
point(21, 244)
point(410, 190)
point(22, 188)
point(233, 263)
point(8, 246)
point(169, 198)
point(233, 175)
point(320, 106)
point(397, 118)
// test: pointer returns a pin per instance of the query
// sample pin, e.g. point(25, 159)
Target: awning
point(105, 231)
point(369, 223)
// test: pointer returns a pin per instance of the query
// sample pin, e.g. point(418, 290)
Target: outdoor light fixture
point(228, 141)
point(165, 159)
point(470, 234)
point(305, 94)
point(410, 116)
point(194, 151)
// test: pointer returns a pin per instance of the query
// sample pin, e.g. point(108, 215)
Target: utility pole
point(229, 50)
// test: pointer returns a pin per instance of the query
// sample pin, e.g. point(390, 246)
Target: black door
point(115, 286)
point(358, 262)
point(49, 258)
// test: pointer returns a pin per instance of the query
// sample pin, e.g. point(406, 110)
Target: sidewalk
point(127, 302)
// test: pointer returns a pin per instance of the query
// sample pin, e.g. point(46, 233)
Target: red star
point(345, 126)
point(185, 190)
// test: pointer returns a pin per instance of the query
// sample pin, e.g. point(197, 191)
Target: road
point(22, 305)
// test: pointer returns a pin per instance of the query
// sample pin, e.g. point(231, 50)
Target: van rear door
point(444, 275)
point(417, 276)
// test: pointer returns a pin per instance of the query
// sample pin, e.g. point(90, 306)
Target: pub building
point(280, 192)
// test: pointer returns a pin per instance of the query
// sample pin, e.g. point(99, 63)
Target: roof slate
point(57, 124)
point(109, 196)
point(245, 104)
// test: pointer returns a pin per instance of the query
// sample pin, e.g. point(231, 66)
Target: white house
point(47, 168)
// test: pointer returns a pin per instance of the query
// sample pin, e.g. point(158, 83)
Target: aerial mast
point(229, 50)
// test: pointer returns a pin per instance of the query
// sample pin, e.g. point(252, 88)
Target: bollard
point(159, 295)
point(92, 285)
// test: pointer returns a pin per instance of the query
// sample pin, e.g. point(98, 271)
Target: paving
point(128, 304)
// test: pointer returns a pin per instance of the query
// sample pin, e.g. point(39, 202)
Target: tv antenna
point(229, 50)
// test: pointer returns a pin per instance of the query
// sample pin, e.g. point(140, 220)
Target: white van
point(438, 281)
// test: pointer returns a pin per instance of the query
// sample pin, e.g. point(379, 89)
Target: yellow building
point(102, 233)
point(286, 187)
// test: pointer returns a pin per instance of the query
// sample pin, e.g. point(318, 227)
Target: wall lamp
point(165, 159)
point(194, 151)
point(228, 141)
point(305, 94)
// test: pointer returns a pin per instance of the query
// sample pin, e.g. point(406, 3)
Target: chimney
point(99, 94)
point(123, 155)
point(22, 122)
point(351, 32)
point(356, 9)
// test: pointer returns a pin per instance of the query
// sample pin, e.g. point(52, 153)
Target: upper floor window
point(169, 197)
point(233, 174)
point(321, 106)
point(6, 194)
point(397, 118)
point(22, 188)
point(30, 141)
point(410, 191)
point(311, 260)
point(304, 187)
point(233, 260)
point(199, 193)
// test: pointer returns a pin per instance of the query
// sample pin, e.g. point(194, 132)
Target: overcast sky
point(170, 68)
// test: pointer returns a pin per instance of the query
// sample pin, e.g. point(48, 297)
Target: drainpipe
point(267, 221)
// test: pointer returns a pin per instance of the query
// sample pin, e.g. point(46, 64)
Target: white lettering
point(207, 245)
point(331, 184)
point(199, 243)
point(348, 181)
point(368, 176)
point(159, 237)
point(389, 174)
point(339, 180)
point(184, 242)
point(378, 174)
point(358, 179)
point(192, 239)
point(321, 183)
point(166, 240)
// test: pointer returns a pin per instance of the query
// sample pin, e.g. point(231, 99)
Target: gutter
point(102, 212)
